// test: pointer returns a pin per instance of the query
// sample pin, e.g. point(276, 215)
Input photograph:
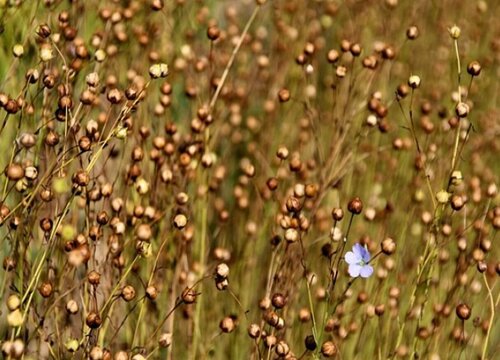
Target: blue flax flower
point(358, 260)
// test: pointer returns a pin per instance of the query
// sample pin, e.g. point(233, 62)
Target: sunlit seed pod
point(165, 340)
point(388, 246)
point(227, 324)
point(329, 349)
point(454, 32)
point(72, 306)
point(93, 320)
point(128, 293)
point(412, 32)
point(282, 349)
point(355, 206)
point(414, 81)
point(474, 68)
point(463, 311)
point(18, 50)
point(222, 270)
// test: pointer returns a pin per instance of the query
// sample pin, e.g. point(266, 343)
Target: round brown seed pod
point(227, 324)
point(463, 311)
point(279, 300)
point(213, 33)
point(94, 278)
point(310, 343)
point(128, 293)
point(337, 214)
point(329, 349)
point(254, 331)
point(93, 320)
point(14, 172)
point(152, 292)
point(412, 32)
point(46, 289)
point(188, 296)
point(284, 95)
point(355, 206)
point(388, 246)
point(474, 68)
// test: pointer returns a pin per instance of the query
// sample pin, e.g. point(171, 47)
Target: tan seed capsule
point(13, 302)
point(180, 221)
point(355, 206)
point(165, 340)
point(72, 306)
point(128, 293)
point(388, 246)
point(463, 311)
point(329, 349)
point(14, 172)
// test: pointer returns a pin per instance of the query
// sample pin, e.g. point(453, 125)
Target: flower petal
point(365, 254)
point(354, 270)
point(366, 271)
point(351, 258)
point(357, 249)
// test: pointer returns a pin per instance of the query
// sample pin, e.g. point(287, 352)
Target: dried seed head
point(282, 348)
point(14, 172)
point(293, 204)
point(443, 196)
point(157, 5)
point(222, 271)
point(284, 95)
point(337, 214)
point(388, 246)
point(474, 68)
point(414, 81)
point(93, 320)
point(43, 31)
point(254, 331)
point(310, 343)
point(332, 56)
point(94, 278)
point(144, 232)
point(279, 300)
point(128, 293)
point(72, 306)
point(157, 71)
point(18, 50)
point(17, 349)
point(456, 177)
point(72, 345)
point(221, 284)
point(46, 52)
point(188, 295)
point(227, 324)
point(151, 292)
point(165, 340)
point(412, 32)
point(463, 311)
point(213, 33)
point(329, 349)
point(454, 32)
point(462, 110)
point(81, 178)
point(380, 309)
point(457, 202)
point(292, 235)
point(46, 289)
point(180, 221)
point(341, 71)
point(96, 353)
point(355, 206)
point(355, 49)
point(13, 302)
